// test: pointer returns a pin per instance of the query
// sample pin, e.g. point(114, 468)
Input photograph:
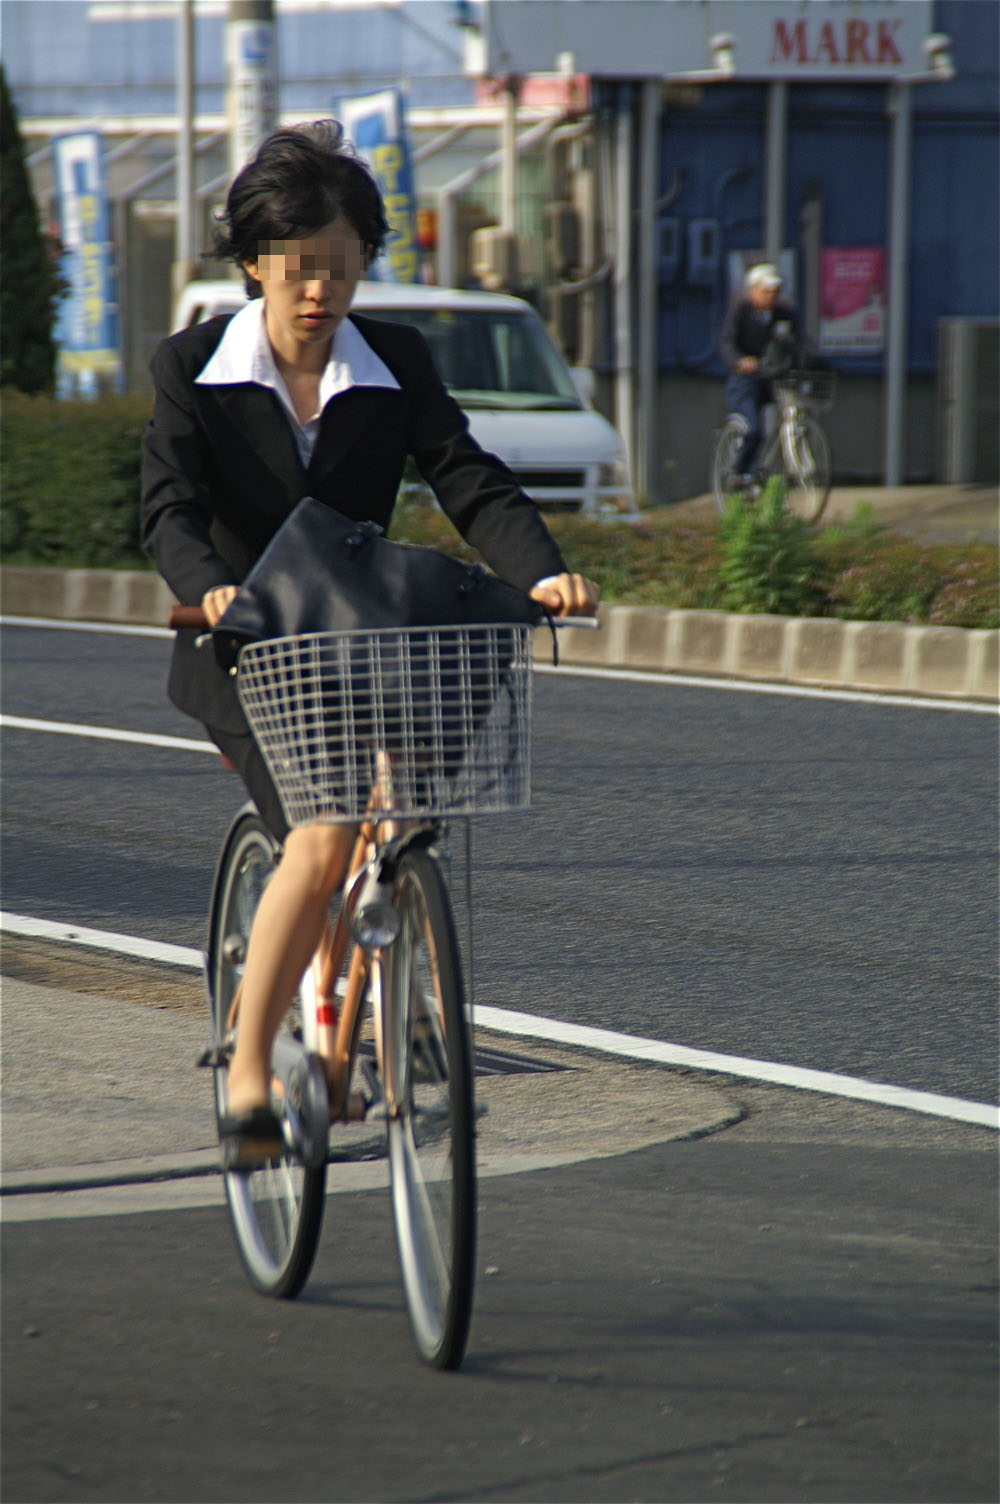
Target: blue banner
point(377, 126)
point(87, 322)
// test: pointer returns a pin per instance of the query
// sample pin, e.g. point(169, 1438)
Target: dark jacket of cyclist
point(758, 342)
point(296, 396)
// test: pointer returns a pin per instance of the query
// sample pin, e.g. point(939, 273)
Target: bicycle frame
point(782, 415)
point(331, 1025)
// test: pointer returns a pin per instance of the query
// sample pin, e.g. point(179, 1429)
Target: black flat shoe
point(250, 1138)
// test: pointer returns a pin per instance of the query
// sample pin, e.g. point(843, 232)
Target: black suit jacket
point(750, 331)
point(221, 471)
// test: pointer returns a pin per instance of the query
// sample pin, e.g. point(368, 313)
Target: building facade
point(649, 147)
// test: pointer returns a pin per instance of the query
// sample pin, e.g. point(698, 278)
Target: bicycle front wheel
point(430, 1116)
point(728, 443)
point(806, 453)
point(276, 1210)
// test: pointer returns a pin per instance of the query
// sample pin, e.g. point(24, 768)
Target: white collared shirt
point(244, 354)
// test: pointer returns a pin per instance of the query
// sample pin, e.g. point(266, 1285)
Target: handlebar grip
point(187, 618)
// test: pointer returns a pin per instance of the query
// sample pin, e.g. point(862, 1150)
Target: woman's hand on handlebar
point(567, 595)
point(214, 603)
point(197, 618)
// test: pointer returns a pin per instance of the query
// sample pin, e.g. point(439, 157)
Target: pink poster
point(852, 298)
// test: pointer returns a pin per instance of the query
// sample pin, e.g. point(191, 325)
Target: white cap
point(764, 275)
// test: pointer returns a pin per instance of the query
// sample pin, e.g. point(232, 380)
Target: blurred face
point(762, 296)
point(308, 284)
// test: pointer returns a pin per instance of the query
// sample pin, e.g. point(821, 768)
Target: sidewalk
point(930, 513)
point(101, 1093)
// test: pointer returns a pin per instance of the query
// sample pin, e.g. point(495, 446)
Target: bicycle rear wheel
point(728, 442)
point(276, 1210)
point(429, 1103)
point(806, 454)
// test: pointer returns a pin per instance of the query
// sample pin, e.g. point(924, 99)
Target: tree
point(29, 281)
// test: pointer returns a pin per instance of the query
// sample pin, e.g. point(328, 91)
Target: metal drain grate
point(490, 1062)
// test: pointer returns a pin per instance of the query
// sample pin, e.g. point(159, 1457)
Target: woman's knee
point(318, 853)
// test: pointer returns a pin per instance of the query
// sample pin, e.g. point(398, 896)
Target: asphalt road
point(799, 880)
point(787, 1311)
point(800, 1307)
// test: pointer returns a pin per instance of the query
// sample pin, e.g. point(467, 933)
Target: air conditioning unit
point(969, 401)
point(501, 260)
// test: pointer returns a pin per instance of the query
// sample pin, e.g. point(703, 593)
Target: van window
point(491, 359)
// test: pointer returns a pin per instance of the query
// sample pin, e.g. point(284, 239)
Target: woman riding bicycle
point(296, 396)
point(758, 342)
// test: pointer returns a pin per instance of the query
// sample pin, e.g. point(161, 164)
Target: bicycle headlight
point(374, 920)
point(376, 925)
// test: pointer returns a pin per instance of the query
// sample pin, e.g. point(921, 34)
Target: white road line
point(621, 675)
point(107, 734)
point(769, 687)
point(580, 1036)
point(114, 628)
point(660, 1052)
point(78, 934)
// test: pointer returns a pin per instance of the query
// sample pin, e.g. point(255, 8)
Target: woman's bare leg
point(286, 931)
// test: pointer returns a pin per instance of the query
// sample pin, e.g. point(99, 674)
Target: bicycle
point(796, 447)
point(396, 731)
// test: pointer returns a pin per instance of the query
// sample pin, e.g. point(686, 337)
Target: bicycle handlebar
point(193, 619)
point(187, 618)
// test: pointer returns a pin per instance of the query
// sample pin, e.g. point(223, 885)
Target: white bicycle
point(796, 448)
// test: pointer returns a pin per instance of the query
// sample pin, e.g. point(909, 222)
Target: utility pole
point(185, 248)
point(251, 77)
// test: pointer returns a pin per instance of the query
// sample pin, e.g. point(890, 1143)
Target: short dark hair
point(301, 178)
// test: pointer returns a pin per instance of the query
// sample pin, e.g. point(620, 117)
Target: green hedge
point(69, 479)
point(765, 559)
point(69, 473)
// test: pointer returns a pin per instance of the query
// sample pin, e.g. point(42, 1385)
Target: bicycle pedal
point(371, 1093)
point(306, 1116)
point(215, 1057)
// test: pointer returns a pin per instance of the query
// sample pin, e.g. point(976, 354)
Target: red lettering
point(888, 52)
point(857, 42)
point(827, 44)
point(786, 44)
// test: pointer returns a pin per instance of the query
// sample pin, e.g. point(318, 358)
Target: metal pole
point(508, 159)
point(776, 156)
point(648, 322)
point(901, 116)
point(623, 362)
point(251, 77)
point(184, 239)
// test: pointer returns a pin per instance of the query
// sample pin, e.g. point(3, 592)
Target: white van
point(496, 358)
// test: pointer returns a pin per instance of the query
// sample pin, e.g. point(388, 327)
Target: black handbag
point(323, 572)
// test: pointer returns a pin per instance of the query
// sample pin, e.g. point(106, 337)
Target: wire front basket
point(408, 723)
point(813, 388)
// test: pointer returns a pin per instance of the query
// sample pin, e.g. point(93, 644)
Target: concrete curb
point(888, 657)
point(884, 657)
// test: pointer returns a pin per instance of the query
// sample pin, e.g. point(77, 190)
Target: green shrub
point(867, 573)
point(69, 477)
point(970, 594)
point(30, 284)
point(766, 563)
